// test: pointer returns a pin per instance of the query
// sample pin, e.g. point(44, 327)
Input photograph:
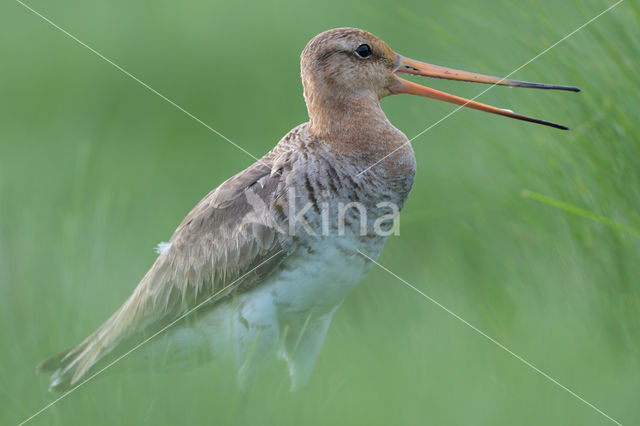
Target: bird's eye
point(364, 51)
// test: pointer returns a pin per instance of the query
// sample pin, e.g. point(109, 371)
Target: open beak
point(410, 66)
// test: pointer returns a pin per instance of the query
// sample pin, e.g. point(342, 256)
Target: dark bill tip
point(550, 124)
point(539, 121)
point(519, 83)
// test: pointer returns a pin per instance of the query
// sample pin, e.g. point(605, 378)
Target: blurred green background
point(95, 170)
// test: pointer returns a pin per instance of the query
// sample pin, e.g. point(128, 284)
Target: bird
point(259, 266)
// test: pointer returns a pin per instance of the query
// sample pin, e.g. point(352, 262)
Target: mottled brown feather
point(236, 236)
point(214, 247)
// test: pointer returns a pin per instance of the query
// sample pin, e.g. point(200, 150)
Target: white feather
point(162, 247)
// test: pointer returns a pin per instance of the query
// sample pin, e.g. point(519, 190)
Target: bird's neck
point(347, 118)
point(355, 127)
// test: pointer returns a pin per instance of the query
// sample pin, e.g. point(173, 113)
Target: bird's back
point(284, 226)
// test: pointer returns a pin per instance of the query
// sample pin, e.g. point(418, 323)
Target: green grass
point(95, 170)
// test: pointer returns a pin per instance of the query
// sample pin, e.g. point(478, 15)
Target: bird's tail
point(104, 345)
point(76, 363)
point(69, 366)
point(131, 323)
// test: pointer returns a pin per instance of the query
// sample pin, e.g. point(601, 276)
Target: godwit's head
point(344, 68)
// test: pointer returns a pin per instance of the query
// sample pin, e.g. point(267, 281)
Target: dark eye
point(364, 51)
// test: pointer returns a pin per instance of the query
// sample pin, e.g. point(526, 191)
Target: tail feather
point(70, 366)
point(67, 367)
point(52, 363)
point(129, 325)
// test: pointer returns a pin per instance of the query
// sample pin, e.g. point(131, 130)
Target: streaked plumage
point(275, 287)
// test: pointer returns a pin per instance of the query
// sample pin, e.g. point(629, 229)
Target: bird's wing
point(230, 241)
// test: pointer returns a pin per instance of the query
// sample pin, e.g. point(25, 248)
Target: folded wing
point(230, 241)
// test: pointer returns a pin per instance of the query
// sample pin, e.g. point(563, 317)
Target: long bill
point(410, 66)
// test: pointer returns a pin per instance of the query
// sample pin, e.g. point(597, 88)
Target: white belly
point(314, 281)
point(300, 297)
point(310, 282)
